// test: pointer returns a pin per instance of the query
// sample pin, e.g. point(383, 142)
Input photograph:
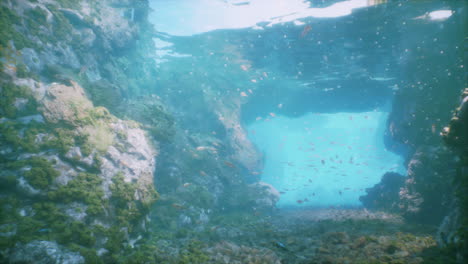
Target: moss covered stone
point(9, 93)
point(86, 188)
point(39, 173)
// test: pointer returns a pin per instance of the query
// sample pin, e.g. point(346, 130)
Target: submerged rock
point(384, 195)
point(44, 252)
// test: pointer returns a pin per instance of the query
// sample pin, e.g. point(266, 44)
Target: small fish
point(258, 118)
point(43, 230)
point(272, 114)
point(243, 94)
point(253, 80)
point(280, 245)
point(186, 184)
point(245, 67)
point(229, 164)
point(178, 206)
point(250, 91)
point(255, 173)
point(280, 106)
point(306, 30)
point(202, 173)
point(299, 201)
point(323, 162)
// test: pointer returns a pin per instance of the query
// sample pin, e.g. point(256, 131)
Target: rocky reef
point(90, 124)
point(453, 230)
point(77, 181)
point(83, 124)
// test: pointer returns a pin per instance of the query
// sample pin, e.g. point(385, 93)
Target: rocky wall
point(77, 181)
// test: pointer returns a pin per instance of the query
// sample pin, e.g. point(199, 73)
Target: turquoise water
point(323, 159)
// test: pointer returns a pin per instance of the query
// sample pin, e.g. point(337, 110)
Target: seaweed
point(41, 173)
point(8, 96)
point(86, 188)
point(193, 254)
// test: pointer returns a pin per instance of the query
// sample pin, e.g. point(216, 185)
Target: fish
point(202, 173)
point(280, 106)
point(229, 164)
point(178, 206)
point(323, 162)
point(280, 245)
point(306, 30)
point(243, 94)
point(245, 67)
point(299, 201)
point(186, 184)
point(382, 79)
point(288, 162)
point(272, 114)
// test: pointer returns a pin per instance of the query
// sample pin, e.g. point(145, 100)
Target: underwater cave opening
point(324, 159)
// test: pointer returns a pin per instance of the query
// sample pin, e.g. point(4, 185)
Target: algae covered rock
point(44, 252)
point(385, 194)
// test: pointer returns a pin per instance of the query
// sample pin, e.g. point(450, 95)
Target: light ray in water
point(324, 159)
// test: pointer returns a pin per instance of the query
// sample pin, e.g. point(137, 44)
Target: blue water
point(323, 159)
point(320, 76)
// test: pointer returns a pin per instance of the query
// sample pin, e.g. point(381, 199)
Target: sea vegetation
point(85, 188)
point(128, 209)
point(9, 94)
point(154, 117)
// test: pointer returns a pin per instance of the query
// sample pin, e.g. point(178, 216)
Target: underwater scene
point(234, 131)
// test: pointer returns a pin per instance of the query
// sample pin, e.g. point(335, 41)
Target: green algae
point(193, 254)
point(128, 208)
point(86, 188)
point(8, 21)
point(42, 174)
point(39, 172)
point(9, 93)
